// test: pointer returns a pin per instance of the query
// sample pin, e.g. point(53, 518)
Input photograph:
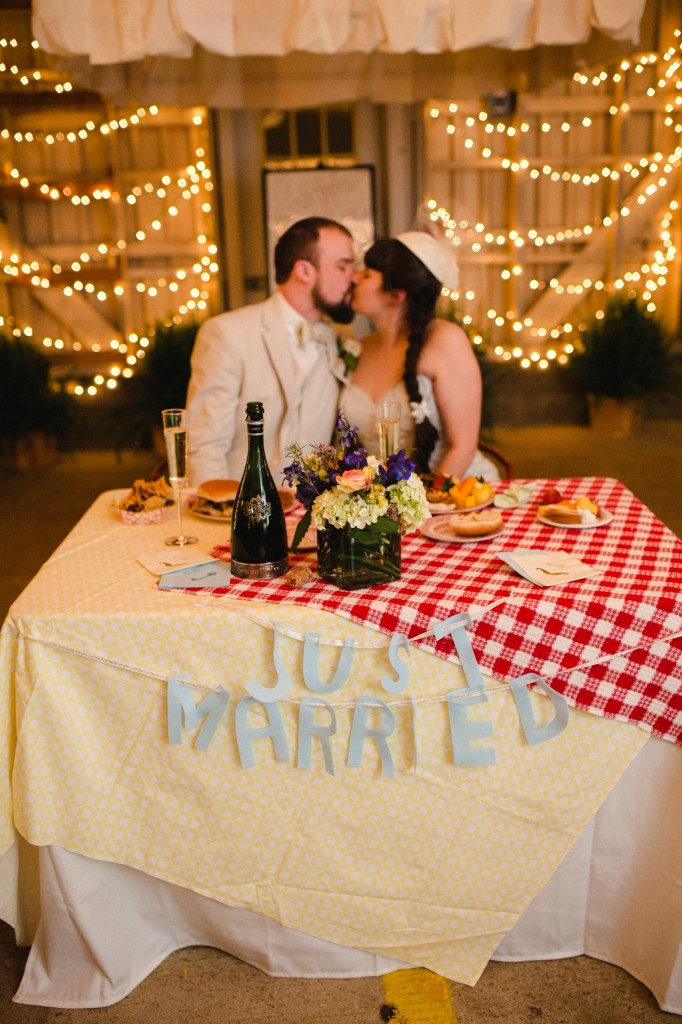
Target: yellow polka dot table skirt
point(431, 864)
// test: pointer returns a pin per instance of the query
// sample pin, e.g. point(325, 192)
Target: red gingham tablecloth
point(612, 644)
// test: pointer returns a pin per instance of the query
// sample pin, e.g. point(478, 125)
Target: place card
point(208, 574)
point(548, 568)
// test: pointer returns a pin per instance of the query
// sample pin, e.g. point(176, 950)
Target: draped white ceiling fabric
point(240, 52)
point(111, 31)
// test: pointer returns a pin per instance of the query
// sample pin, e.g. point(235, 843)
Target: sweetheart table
point(465, 767)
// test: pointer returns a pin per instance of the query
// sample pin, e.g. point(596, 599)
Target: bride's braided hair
point(401, 270)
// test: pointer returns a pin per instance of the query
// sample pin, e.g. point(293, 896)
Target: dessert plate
point(603, 519)
point(440, 529)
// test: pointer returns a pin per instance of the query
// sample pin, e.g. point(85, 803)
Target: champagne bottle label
point(259, 571)
point(257, 510)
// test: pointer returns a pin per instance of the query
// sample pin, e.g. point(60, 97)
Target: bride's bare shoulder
point(446, 329)
point(446, 338)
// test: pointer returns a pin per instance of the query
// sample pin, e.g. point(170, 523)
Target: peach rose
point(354, 480)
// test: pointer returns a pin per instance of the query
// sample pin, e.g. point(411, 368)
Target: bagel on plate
point(475, 524)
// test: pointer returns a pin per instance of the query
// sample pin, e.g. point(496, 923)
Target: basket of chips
point(144, 503)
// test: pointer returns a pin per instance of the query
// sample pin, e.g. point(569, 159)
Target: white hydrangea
point(409, 498)
point(355, 510)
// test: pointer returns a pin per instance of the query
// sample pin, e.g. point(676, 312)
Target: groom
point(267, 353)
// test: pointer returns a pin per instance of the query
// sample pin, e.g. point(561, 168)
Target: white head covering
point(438, 256)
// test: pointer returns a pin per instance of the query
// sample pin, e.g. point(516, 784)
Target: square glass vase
point(352, 559)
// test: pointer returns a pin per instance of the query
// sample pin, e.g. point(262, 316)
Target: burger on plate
point(216, 497)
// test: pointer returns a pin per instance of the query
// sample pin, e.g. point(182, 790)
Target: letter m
point(182, 711)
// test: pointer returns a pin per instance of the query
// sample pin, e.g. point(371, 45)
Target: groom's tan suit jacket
point(245, 356)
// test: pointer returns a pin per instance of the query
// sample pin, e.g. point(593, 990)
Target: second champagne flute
point(389, 428)
point(175, 436)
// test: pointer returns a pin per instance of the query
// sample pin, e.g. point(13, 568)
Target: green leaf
point(373, 530)
point(301, 530)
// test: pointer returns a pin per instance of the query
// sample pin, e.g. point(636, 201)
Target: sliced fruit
point(588, 505)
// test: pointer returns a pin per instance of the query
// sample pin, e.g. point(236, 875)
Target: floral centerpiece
point(359, 506)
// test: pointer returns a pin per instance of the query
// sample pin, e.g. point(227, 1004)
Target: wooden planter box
point(613, 417)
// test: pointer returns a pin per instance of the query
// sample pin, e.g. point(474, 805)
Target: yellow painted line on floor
point(417, 997)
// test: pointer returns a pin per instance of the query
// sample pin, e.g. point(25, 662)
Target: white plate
point(603, 520)
point(441, 507)
point(440, 529)
point(206, 513)
point(226, 517)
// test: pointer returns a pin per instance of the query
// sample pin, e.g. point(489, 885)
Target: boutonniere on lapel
point(349, 350)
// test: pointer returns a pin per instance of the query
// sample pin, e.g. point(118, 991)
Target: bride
point(412, 357)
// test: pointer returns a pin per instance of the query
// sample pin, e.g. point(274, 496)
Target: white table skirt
point(617, 896)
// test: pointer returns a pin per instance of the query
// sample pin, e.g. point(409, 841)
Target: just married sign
point(373, 720)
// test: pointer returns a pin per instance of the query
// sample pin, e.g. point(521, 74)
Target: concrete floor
point(205, 985)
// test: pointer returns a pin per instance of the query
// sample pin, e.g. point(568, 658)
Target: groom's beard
point(340, 312)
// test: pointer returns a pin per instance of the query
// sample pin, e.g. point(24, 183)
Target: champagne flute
point(175, 436)
point(389, 428)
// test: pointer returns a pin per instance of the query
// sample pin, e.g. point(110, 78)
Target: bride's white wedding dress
point(361, 411)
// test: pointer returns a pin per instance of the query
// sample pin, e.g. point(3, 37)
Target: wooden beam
point(79, 317)
point(551, 308)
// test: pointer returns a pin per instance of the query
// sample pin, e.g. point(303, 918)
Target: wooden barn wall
point(540, 253)
point(127, 238)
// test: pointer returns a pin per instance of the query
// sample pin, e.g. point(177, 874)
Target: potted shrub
point(161, 380)
point(34, 417)
point(623, 358)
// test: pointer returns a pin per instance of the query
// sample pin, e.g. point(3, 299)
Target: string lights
point(82, 133)
point(503, 238)
point(646, 174)
point(538, 166)
point(669, 78)
point(652, 274)
point(97, 273)
point(34, 76)
point(191, 182)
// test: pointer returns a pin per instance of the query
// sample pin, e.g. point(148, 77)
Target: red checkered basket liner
point(611, 644)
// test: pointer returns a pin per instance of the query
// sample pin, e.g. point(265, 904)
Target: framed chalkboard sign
point(345, 194)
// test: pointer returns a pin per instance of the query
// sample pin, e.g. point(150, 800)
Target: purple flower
point(398, 467)
point(307, 483)
point(355, 459)
point(348, 435)
point(291, 473)
point(306, 493)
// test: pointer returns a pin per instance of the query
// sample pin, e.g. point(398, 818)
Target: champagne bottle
point(259, 533)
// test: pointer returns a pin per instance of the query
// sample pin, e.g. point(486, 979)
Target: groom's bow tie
point(319, 332)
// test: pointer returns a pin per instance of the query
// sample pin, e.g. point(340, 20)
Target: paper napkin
point(548, 568)
point(516, 494)
point(208, 574)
